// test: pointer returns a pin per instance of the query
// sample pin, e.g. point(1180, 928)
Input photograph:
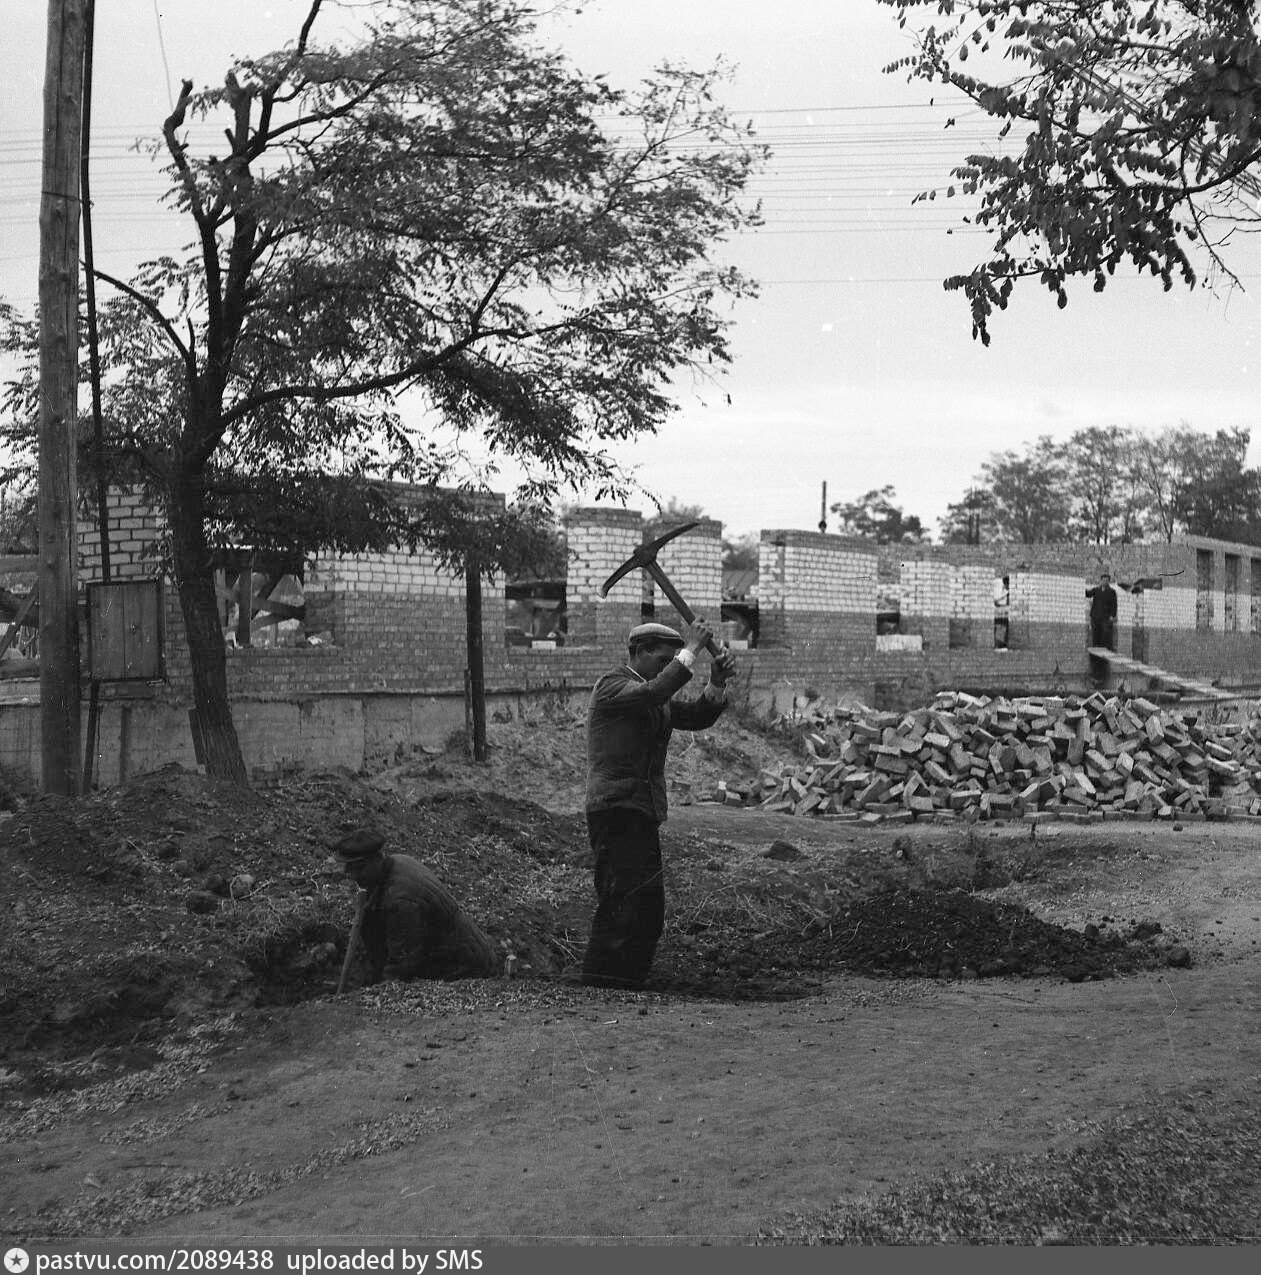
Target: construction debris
point(1081, 758)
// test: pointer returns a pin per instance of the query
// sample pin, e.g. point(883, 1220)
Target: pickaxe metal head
point(644, 556)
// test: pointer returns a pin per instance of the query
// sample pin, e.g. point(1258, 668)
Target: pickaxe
point(645, 556)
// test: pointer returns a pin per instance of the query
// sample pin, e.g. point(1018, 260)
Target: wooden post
point(476, 662)
point(245, 597)
point(58, 400)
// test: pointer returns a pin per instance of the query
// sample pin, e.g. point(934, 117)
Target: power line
point(166, 66)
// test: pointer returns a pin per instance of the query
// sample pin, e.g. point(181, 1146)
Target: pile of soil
point(859, 916)
point(173, 897)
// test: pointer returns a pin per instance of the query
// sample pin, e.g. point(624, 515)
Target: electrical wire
point(166, 66)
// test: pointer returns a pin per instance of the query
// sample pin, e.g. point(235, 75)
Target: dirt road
point(519, 1110)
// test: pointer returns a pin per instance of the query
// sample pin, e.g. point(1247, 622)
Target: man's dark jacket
point(629, 722)
point(1103, 603)
point(413, 928)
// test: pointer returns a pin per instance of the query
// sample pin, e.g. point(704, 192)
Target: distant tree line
point(1103, 485)
point(1109, 485)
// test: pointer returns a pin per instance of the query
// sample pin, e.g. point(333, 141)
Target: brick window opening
point(262, 599)
point(1203, 589)
point(535, 614)
point(1231, 599)
point(16, 587)
point(888, 611)
point(1002, 609)
point(739, 624)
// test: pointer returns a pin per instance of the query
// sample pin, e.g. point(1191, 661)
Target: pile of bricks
point(1075, 758)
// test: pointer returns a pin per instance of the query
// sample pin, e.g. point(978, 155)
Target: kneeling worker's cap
point(654, 633)
point(359, 844)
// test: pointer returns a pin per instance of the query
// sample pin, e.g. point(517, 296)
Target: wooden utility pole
point(58, 398)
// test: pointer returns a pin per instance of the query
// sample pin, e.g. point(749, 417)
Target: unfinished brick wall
point(599, 541)
point(400, 572)
point(816, 588)
point(1226, 583)
point(972, 607)
point(1046, 612)
point(398, 620)
point(926, 591)
point(693, 564)
point(1194, 576)
point(134, 527)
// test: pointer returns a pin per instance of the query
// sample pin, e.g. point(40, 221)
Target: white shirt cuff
point(685, 657)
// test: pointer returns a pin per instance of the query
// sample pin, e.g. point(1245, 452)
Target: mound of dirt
point(926, 931)
point(173, 897)
point(950, 933)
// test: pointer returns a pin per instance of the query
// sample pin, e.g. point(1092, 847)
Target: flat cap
point(654, 633)
point(359, 844)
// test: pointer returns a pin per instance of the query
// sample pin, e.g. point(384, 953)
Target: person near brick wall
point(630, 718)
point(412, 926)
point(1103, 613)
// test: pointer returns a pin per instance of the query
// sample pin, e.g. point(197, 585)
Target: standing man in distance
point(629, 722)
point(1103, 613)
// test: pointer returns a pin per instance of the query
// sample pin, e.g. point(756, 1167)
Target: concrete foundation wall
point(136, 736)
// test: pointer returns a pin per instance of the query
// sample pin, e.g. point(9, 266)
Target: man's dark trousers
point(631, 898)
point(1103, 632)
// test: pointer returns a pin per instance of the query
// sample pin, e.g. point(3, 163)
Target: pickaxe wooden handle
point(676, 600)
point(352, 944)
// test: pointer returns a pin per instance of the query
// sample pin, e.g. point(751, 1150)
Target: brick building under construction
point(360, 660)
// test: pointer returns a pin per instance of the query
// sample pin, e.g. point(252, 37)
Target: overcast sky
point(853, 367)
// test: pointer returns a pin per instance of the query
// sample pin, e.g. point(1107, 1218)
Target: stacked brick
point(134, 527)
point(1073, 758)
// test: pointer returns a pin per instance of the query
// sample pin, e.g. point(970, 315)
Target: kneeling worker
point(412, 927)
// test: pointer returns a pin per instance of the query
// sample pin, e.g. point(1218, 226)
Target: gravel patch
point(167, 1192)
point(181, 1057)
point(1180, 1170)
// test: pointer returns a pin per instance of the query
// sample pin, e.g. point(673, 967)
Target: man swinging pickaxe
point(645, 556)
point(631, 716)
